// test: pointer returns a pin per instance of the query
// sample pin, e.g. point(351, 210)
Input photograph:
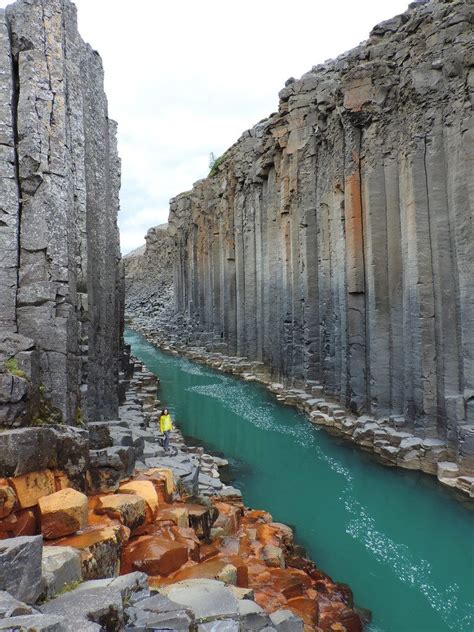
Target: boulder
point(8, 499)
point(154, 555)
point(20, 567)
point(63, 513)
point(145, 490)
point(99, 435)
point(24, 450)
point(286, 621)
point(29, 488)
point(129, 509)
point(207, 599)
point(100, 605)
point(11, 607)
point(100, 549)
point(61, 567)
point(252, 616)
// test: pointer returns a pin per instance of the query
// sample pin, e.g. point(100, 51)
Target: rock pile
point(143, 538)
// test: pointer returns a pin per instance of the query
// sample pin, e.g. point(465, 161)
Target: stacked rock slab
point(59, 243)
point(334, 241)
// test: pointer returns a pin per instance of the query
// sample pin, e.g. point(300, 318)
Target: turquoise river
point(403, 543)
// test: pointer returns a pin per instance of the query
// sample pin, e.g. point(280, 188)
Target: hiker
point(166, 427)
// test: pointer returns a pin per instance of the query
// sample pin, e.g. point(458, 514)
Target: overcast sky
point(185, 78)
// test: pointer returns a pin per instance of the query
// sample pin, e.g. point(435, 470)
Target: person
point(166, 427)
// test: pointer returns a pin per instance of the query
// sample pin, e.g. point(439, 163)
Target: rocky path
point(158, 542)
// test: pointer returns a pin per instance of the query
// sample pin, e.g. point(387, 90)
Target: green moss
point(12, 367)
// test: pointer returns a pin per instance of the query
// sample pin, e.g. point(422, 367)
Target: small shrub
point(214, 164)
point(12, 367)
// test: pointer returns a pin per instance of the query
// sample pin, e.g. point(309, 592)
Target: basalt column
point(334, 241)
point(59, 260)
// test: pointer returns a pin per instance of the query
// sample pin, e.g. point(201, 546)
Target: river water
point(403, 544)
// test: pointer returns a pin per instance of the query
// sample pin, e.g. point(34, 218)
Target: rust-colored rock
point(163, 479)
point(147, 491)
point(229, 517)
point(129, 509)
point(20, 523)
point(178, 514)
point(29, 488)
point(63, 513)
point(154, 555)
point(100, 549)
point(7, 499)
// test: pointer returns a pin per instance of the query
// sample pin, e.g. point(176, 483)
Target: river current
point(403, 543)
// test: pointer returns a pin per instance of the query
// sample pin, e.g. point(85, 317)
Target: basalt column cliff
point(334, 241)
point(60, 286)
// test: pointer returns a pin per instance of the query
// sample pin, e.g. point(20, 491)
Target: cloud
point(187, 78)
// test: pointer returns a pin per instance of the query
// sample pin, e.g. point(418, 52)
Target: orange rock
point(22, 522)
point(129, 509)
point(228, 519)
point(100, 549)
point(188, 537)
point(29, 488)
point(161, 476)
point(63, 513)
point(146, 490)
point(7, 500)
point(208, 552)
point(255, 516)
point(154, 555)
point(229, 569)
point(176, 513)
point(306, 609)
point(61, 480)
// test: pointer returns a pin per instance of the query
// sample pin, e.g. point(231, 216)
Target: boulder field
point(133, 537)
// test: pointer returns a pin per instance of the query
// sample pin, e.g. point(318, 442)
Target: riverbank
point(190, 555)
point(386, 439)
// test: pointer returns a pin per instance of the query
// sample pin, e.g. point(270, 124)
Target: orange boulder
point(100, 549)
point(63, 513)
point(178, 514)
point(129, 509)
point(7, 500)
point(154, 555)
point(147, 491)
point(29, 488)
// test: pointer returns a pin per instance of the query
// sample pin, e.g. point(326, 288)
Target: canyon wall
point(334, 241)
point(60, 281)
point(148, 275)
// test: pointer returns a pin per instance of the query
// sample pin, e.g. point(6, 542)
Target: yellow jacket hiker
point(166, 426)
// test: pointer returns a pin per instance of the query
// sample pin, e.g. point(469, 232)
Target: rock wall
point(334, 241)
point(149, 277)
point(60, 304)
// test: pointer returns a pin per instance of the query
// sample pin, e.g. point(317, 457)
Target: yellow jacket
point(165, 423)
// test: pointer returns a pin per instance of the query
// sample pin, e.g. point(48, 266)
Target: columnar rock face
point(149, 275)
point(334, 241)
point(59, 243)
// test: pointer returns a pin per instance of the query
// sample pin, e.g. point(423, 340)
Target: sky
point(185, 78)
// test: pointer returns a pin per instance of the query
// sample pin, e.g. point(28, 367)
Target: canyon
point(333, 243)
point(328, 255)
point(101, 527)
